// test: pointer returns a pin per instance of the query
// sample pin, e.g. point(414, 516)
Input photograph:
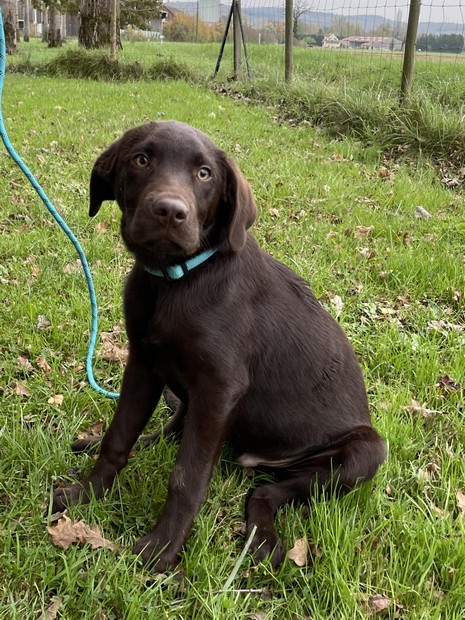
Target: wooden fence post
point(289, 42)
point(410, 45)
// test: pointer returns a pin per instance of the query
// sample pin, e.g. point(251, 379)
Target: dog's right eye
point(141, 161)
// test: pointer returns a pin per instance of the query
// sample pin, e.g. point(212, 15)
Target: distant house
point(166, 15)
point(331, 42)
point(372, 43)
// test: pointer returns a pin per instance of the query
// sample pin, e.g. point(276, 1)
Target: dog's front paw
point(64, 497)
point(267, 544)
point(155, 555)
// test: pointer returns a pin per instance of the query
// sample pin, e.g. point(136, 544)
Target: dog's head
point(177, 192)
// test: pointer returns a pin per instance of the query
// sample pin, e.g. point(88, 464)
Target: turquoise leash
point(57, 217)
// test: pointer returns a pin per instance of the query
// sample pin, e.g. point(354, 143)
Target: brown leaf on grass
point(299, 552)
point(20, 389)
point(43, 364)
point(102, 227)
point(378, 602)
point(25, 364)
point(337, 303)
point(67, 532)
point(384, 173)
point(422, 213)
point(460, 495)
point(416, 407)
point(95, 430)
point(445, 384)
point(56, 400)
point(363, 231)
point(111, 350)
point(444, 326)
point(51, 611)
point(73, 266)
point(366, 253)
point(43, 322)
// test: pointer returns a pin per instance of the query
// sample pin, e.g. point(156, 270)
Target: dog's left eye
point(204, 173)
point(142, 161)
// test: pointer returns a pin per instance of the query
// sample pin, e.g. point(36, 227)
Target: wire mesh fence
point(361, 40)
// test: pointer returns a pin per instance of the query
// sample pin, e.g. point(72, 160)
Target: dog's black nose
point(170, 211)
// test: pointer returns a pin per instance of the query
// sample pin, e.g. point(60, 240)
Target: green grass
point(403, 288)
point(345, 92)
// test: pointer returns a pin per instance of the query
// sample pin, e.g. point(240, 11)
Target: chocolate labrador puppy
point(239, 339)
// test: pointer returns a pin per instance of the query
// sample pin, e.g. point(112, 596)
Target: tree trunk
point(9, 24)
point(27, 25)
point(54, 32)
point(45, 19)
point(95, 26)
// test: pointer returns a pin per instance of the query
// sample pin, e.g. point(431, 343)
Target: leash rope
point(57, 217)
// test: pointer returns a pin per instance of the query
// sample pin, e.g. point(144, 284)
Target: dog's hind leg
point(339, 471)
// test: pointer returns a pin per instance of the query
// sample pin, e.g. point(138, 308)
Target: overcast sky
point(447, 10)
point(431, 10)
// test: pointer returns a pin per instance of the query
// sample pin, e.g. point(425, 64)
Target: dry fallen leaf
point(366, 252)
point(415, 407)
point(421, 212)
point(43, 364)
point(66, 532)
point(95, 430)
point(24, 363)
point(363, 231)
point(43, 322)
point(337, 303)
point(102, 227)
point(378, 602)
point(111, 350)
point(460, 495)
point(446, 384)
point(20, 389)
point(299, 552)
point(51, 611)
point(56, 400)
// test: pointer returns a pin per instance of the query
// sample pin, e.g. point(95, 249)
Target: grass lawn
point(340, 215)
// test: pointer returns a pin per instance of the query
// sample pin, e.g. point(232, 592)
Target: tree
point(451, 43)
point(184, 27)
point(138, 13)
point(94, 29)
point(300, 8)
point(54, 30)
point(383, 30)
point(27, 28)
point(9, 24)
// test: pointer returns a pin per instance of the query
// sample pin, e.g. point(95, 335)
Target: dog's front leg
point(205, 431)
point(140, 393)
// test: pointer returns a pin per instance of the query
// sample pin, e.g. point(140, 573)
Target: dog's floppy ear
point(102, 180)
point(243, 210)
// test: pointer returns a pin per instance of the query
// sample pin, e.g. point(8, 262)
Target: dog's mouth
point(162, 253)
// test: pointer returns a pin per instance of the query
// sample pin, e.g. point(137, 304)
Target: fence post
point(237, 39)
point(410, 45)
point(289, 42)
